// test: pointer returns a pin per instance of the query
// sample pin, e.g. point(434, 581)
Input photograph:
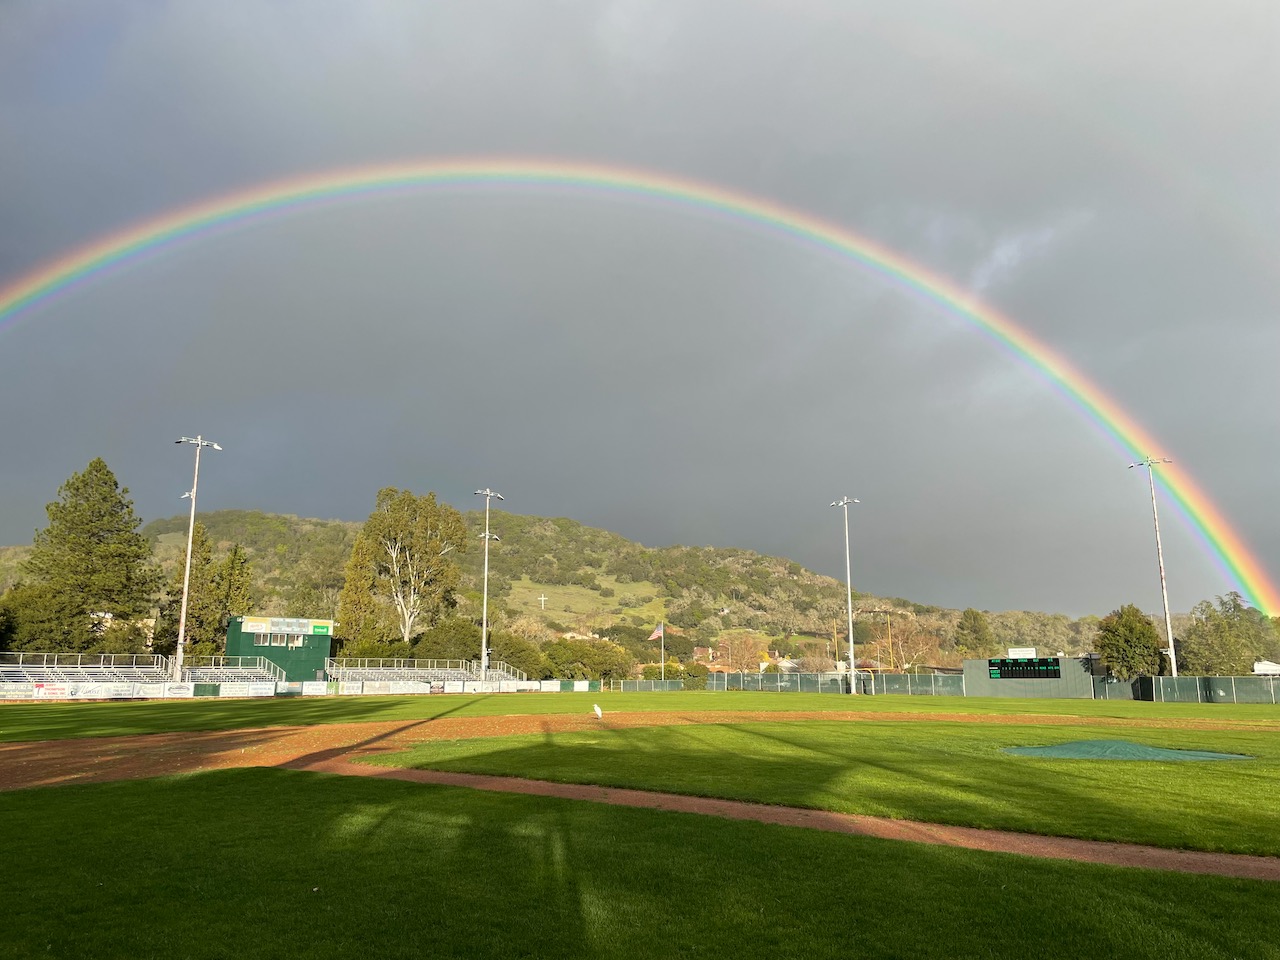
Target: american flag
point(657, 634)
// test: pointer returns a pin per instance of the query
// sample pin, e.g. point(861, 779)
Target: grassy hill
point(577, 577)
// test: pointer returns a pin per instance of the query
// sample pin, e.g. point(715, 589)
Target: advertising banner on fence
point(233, 690)
point(350, 687)
point(549, 686)
point(411, 686)
point(103, 690)
point(314, 688)
point(262, 688)
point(17, 691)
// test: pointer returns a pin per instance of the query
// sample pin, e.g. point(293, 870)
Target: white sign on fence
point(314, 688)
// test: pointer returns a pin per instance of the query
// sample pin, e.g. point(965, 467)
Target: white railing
point(387, 663)
point(503, 670)
point(214, 669)
point(37, 667)
point(136, 661)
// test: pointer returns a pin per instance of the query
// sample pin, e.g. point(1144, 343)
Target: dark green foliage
point(1129, 643)
point(520, 653)
point(217, 591)
point(41, 618)
point(587, 660)
point(451, 639)
point(297, 564)
point(89, 569)
point(376, 649)
point(695, 676)
point(1224, 639)
point(973, 635)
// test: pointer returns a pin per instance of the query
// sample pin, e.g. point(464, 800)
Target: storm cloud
point(1102, 173)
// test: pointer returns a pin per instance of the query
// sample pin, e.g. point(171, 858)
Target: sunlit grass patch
point(930, 771)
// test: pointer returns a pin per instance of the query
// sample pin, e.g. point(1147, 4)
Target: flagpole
point(662, 640)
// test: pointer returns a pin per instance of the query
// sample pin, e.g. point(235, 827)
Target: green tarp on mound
point(1117, 750)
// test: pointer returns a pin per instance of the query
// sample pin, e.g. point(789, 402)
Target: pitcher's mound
point(1117, 750)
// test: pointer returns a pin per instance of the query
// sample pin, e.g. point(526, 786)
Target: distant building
point(1265, 668)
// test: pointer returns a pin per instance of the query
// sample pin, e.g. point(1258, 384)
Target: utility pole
point(484, 614)
point(199, 442)
point(1150, 464)
point(848, 583)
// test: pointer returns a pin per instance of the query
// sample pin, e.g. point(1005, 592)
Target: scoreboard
point(1029, 668)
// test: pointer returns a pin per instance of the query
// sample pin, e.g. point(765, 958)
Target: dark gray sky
point(1105, 173)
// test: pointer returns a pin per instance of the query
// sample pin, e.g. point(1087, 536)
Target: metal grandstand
point(424, 671)
point(232, 670)
point(91, 667)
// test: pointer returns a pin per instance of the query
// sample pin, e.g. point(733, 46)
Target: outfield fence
point(912, 684)
point(1190, 689)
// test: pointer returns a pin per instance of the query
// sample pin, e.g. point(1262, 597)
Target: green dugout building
point(298, 647)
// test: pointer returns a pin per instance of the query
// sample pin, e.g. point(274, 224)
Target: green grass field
point(935, 772)
point(47, 721)
point(279, 864)
point(274, 863)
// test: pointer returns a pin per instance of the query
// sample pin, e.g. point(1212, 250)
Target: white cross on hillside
point(543, 598)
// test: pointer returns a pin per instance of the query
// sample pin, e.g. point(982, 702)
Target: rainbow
point(128, 246)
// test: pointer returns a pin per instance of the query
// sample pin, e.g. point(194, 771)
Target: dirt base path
point(332, 748)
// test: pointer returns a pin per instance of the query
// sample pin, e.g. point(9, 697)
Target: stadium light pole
point(1150, 464)
point(484, 609)
point(199, 442)
point(848, 583)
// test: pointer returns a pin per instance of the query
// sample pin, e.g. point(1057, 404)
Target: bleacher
point(378, 669)
point(501, 670)
point(83, 667)
point(232, 670)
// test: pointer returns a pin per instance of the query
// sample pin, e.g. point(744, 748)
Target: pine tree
point(234, 580)
point(360, 620)
point(203, 619)
point(92, 560)
point(217, 590)
point(973, 633)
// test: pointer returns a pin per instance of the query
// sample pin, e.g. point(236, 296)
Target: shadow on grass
point(274, 863)
point(928, 772)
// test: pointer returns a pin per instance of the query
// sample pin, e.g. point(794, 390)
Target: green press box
point(297, 646)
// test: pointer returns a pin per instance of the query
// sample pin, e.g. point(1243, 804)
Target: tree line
point(406, 583)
